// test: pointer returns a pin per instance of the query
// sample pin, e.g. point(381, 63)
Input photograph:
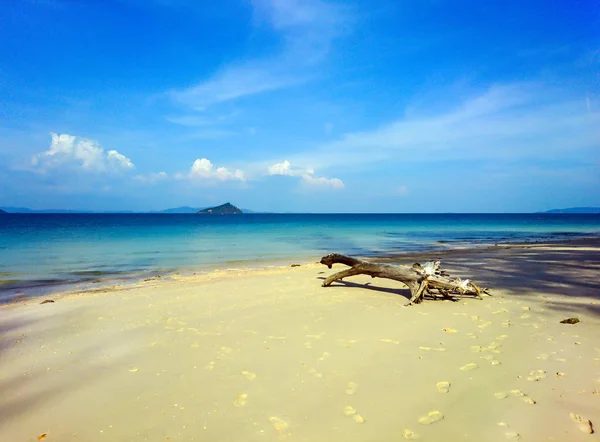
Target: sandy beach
point(269, 355)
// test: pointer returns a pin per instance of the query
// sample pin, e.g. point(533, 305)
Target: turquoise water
point(42, 251)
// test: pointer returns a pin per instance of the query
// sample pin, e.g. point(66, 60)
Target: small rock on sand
point(47, 301)
point(570, 321)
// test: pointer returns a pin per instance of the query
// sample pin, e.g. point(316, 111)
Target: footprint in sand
point(240, 401)
point(249, 375)
point(450, 330)
point(513, 435)
point(349, 411)
point(315, 373)
point(351, 388)
point(476, 348)
point(210, 365)
point(470, 366)
point(308, 344)
point(536, 375)
point(324, 356)
point(389, 341)
point(501, 395)
point(525, 316)
point(432, 349)
point(443, 386)
point(523, 396)
point(280, 425)
point(432, 417)
point(585, 425)
point(410, 435)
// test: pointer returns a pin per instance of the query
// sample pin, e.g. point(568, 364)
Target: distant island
point(575, 210)
point(223, 209)
point(2, 211)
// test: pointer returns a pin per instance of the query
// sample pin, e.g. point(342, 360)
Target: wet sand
point(269, 355)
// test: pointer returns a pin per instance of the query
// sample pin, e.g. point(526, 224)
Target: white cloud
point(336, 183)
point(74, 151)
point(306, 28)
point(152, 177)
point(506, 122)
point(203, 169)
point(285, 168)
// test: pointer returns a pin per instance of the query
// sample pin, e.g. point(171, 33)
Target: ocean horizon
point(42, 253)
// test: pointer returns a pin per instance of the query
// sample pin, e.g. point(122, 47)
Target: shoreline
point(134, 279)
point(270, 355)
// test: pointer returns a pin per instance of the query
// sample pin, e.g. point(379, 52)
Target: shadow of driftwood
point(394, 291)
point(567, 269)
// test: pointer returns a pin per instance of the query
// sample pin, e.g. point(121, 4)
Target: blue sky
point(300, 105)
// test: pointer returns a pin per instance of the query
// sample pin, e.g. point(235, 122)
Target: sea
point(42, 253)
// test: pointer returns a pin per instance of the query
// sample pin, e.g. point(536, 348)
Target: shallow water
point(38, 251)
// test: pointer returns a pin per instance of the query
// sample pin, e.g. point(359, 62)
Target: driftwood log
point(422, 280)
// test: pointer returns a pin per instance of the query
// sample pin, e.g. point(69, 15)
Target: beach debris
point(42, 436)
point(443, 386)
point(432, 417)
point(47, 301)
point(470, 366)
point(422, 280)
point(410, 435)
point(585, 425)
point(570, 321)
point(559, 373)
point(295, 265)
point(240, 400)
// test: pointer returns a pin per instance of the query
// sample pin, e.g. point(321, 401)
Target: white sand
point(269, 355)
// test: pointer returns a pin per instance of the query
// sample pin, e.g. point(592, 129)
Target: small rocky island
point(223, 209)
